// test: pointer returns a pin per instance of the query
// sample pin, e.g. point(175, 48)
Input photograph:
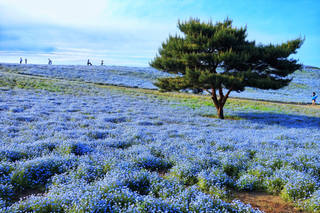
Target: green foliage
point(40, 205)
point(5, 169)
point(107, 167)
point(171, 84)
point(292, 192)
point(213, 189)
point(12, 155)
point(311, 204)
point(231, 170)
point(12, 80)
point(187, 176)
point(30, 83)
point(140, 184)
point(216, 56)
point(74, 148)
point(206, 46)
point(249, 182)
point(274, 185)
point(153, 163)
point(35, 174)
point(119, 198)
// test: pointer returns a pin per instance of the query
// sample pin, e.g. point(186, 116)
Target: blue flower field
point(299, 91)
point(70, 144)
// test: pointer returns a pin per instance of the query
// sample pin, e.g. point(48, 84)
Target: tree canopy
point(219, 59)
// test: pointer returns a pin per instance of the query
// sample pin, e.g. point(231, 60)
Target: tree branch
point(226, 96)
point(221, 96)
point(214, 97)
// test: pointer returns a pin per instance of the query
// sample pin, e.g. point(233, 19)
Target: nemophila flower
point(139, 77)
point(6, 192)
point(5, 168)
point(307, 160)
point(279, 179)
point(214, 178)
point(186, 172)
point(165, 188)
point(260, 171)
point(89, 171)
point(77, 148)
point(41, 147)
point(249, 182)
point(38, 204)
point(38, 171)
point(313, 203)
point(12, 155)
point(303, 82)
point(115, 143)
point(152, 163)
point(299, 186)
point(234, 164)
point(98, 149)
point(98, 134)
point(243, 207)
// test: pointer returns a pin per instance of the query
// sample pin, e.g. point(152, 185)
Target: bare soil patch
point(28, 192)
point(266, 202)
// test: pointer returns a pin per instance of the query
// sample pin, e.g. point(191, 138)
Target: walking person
point(49, 61)
point(89, 63)
point(20, 60)
point(101, 62)
point(314, 98)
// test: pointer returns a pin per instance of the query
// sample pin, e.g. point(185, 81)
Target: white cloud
point(125, 18)
point(125, 14)
point(64, 12)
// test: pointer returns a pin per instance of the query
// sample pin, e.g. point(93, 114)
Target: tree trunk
point(220, 112)
point(219, 108)
point(219, 103)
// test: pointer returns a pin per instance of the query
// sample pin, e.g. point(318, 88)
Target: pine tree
point(218, 59)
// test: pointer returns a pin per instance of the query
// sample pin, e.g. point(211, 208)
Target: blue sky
point(129, 32)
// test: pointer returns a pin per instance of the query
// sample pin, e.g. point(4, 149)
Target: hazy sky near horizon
point(129, 32)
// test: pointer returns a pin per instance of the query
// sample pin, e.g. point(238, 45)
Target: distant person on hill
point(89, 63)
point(20, 60)
point(101, 62)
point(314, 98)
point(49, 61)
point(25, 60)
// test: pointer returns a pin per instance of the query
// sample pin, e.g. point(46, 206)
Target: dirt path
point(266, 202)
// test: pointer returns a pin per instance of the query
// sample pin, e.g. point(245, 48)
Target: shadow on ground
point(286, 120)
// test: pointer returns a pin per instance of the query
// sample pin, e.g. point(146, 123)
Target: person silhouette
point(49, 61)
point(89, 63)
point(20, 60)
point(25, 60)
point(101, 62)
point(314, 98)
